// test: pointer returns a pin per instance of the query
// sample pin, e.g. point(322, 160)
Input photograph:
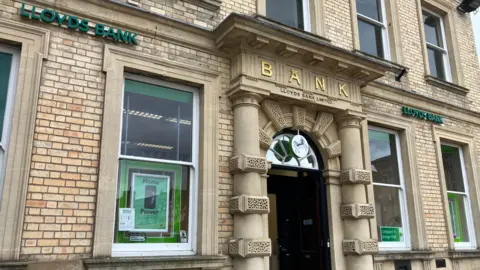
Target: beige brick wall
point(62, 188)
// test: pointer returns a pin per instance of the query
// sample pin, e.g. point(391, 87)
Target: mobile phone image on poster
point(150, 199)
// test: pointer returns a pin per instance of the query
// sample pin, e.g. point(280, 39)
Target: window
point(9, 59)
point(372, 29)
point(389, 189)
point(293, 153)
point(458, 197)
point(436, 45)
point(157, 169)
point(294, 13)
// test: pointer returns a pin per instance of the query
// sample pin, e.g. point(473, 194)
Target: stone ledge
point(212, 5)
point(13, 265)
point(464, 254)
point(395, 67)
point(173, 262)
point(404, 255)
point(446, 85)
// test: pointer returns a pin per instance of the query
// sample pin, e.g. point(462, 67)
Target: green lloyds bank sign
point(75, 23)
point(422, 115)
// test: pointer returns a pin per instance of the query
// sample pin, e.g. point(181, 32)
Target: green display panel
point(5, 69)
point(391, 234)
point(455, 217)
point(153, 190)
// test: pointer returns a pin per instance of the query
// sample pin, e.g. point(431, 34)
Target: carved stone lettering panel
point(299, 82)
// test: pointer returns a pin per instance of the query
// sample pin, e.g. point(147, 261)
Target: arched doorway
point(298, 219)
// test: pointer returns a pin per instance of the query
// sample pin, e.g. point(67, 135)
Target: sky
point(476, 30)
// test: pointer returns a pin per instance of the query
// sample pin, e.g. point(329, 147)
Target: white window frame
point(307, 24)
point(7, 122)
point(468, 206)
point(444, 50)
point(167, 249)
point(406, 244)
point(382, 24)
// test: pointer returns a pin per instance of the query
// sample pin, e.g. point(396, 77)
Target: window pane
point(383, 154)
point(388, 213)
point(5, 67)
point(289, 12)
point(157, 122)
point(152, 203)
point(432, 29)
point(435, 61)
point(452, 168)
point(456, 205)
point(370, 38)
point(370, 8)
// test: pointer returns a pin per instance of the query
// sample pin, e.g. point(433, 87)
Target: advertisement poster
point(127, 217)
point(151, 202)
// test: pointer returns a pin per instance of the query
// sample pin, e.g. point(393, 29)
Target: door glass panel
point(371, 40)
point(388, 214)
point(452, 168)
point(383, 155)
point(289, 12)
point(157, 122)
point(370, 8)
point(5, 68)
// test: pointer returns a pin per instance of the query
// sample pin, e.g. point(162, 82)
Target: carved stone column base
point(250, 247)
point(248, 163)
point(360, 247)
point(356, 176)
point(245, 204)
point(357, 211)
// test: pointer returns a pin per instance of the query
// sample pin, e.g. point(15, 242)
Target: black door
point(302, 221)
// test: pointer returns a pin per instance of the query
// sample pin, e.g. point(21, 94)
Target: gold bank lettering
point(320, 82)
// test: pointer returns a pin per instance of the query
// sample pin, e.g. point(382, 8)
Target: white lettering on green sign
point(74, 23)
point(422, 115)
point(391, 234)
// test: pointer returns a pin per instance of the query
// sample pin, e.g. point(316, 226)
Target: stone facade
point(60, 199)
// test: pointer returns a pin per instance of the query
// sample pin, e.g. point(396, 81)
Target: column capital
point(245, 99)
point(349, 118)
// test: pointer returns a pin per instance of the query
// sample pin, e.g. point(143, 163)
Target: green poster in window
point(391, 234)
point(174, 174)
point(150, 201)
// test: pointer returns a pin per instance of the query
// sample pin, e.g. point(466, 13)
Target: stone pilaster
point(357, 244)
point(249, 246)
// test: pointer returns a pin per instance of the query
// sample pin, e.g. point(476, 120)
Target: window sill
point(174, 262)
point(464, 253)
point(212, 5)
point(404, 255)
point(446, 85)
point(396, 68)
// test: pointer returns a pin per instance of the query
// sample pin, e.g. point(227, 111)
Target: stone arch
point(321, 127)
